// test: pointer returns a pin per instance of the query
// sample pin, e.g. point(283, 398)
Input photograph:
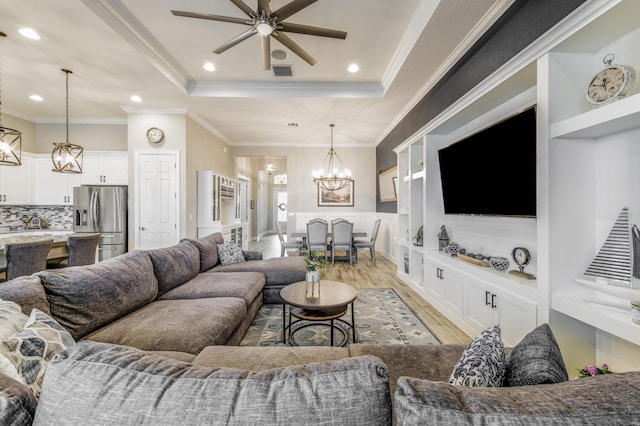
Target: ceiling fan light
point(264, 29)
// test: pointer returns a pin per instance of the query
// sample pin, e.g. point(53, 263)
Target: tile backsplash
point(57, 217)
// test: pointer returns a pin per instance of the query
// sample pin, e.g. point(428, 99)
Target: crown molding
point(288, 90)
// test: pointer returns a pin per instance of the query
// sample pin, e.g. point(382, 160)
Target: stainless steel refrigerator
point(102, 209)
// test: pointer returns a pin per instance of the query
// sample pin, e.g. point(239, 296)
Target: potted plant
point(313, 264)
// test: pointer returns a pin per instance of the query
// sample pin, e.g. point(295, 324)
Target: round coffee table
point(320, 301)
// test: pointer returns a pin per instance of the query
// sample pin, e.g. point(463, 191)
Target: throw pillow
point(483, 362)
point(31, 348)
point(230, 253)
point(12, 319)
point(536, 360)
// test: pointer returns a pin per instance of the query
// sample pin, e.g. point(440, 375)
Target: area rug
point(381, 315)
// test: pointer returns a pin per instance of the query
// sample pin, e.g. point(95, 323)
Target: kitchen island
point(58, 250)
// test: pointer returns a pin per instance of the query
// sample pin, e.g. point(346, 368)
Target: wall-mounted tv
point(493, 171)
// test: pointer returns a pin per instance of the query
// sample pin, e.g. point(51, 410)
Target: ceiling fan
point(267, 24)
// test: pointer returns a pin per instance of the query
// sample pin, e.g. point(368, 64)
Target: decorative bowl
point(499, 263)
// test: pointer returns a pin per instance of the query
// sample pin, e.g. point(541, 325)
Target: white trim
point(287, 90)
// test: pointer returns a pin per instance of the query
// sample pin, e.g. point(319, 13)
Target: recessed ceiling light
point(29, 33)
point(353, 68)
point(292, 124)
point(136, 98)
point(37, 98)
point(209, 66)
point(279, 55)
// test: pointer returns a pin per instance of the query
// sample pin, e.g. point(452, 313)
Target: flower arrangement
point(313, 262)
point(593, 370)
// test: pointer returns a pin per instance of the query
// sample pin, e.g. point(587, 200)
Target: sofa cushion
point(260, 358)
point(17, 403)
point(12, 318)
point(95, 383)
point(277, 270)
point(84, 298)
point(187, 325)
point(535, 360)
point(208, 248)
point(245, 285)
point(230, 253)
point(611, 399)
point(26, 291)
point(483, 363)
point(31, 348)
point(174, 265)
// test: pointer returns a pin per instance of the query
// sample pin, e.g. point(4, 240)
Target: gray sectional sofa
point(156, 333)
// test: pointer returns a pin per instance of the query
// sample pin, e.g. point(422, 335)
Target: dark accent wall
point(519, 26)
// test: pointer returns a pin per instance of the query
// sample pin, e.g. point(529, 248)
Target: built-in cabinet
point(587, 172)
point(16, 182)
point(52, 188)
point(105, 168)
point(219, 208)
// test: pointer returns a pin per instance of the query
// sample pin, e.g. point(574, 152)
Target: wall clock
point(521, 256)
point(610, 84)
point(155, 135)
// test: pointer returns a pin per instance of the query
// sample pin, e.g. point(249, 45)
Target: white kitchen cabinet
point(53, 188)
point(105, 168)
point(16, 183)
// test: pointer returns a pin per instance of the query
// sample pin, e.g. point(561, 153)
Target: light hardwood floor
point(382, 274)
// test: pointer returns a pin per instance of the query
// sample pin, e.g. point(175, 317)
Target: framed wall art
point(387, 183)
point(338, 198)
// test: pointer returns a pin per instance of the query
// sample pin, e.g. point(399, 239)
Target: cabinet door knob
point(486, 297)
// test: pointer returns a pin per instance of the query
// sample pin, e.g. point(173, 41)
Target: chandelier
point(67, 157)
point(334, 179)
point(10, 143)
point(270, 168)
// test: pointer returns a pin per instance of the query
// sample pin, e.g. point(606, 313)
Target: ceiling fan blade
point(211, 17)
point(307, 29)
point(243, 6)
point(266, 51)
point(292, 46)
point(237, 39)
point(290, 8)
point(264, 5)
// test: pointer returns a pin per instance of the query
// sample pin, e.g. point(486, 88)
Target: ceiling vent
point(282, 71)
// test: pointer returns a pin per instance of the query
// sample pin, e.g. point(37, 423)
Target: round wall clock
point(155, 135)
point(610, 84)
point(521, 256)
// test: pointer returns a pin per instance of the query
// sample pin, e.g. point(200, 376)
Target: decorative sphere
point(499, 263)
point(453, 249)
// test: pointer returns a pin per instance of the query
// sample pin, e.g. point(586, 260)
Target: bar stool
point(26, 258)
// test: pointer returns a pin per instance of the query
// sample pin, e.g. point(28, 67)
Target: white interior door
point(157, 201)
point(263, 200)
point(280, 197)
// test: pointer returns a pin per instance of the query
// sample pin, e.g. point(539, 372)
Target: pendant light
point(10, 141)
point(334, 179)
point(67, 157)
point(270, 168)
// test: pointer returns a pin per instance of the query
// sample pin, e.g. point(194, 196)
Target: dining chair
point(290, 244)
point(317, 237)
point(342, 239)
point(370, 244)
point(26, 258)
point(317, 219)
point(82, 249)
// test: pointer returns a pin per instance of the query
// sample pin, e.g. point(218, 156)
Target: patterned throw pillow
point(483, 363)
point(536, 360)
point(31, 348)
point(230, 253)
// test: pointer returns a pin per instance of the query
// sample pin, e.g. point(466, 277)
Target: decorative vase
point(313, 276)
point(500, 264)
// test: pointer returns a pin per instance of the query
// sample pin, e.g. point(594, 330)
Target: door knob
point(142, 228)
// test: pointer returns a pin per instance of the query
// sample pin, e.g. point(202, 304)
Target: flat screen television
point(493, 171)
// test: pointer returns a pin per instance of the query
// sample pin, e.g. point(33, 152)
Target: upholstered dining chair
point(317, 237)
point(82, 248)
point(370, 244)
point(342, 239)
point(26, 258)
point(289, 244)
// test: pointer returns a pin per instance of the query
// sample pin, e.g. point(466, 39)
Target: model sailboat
point(618, 261)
